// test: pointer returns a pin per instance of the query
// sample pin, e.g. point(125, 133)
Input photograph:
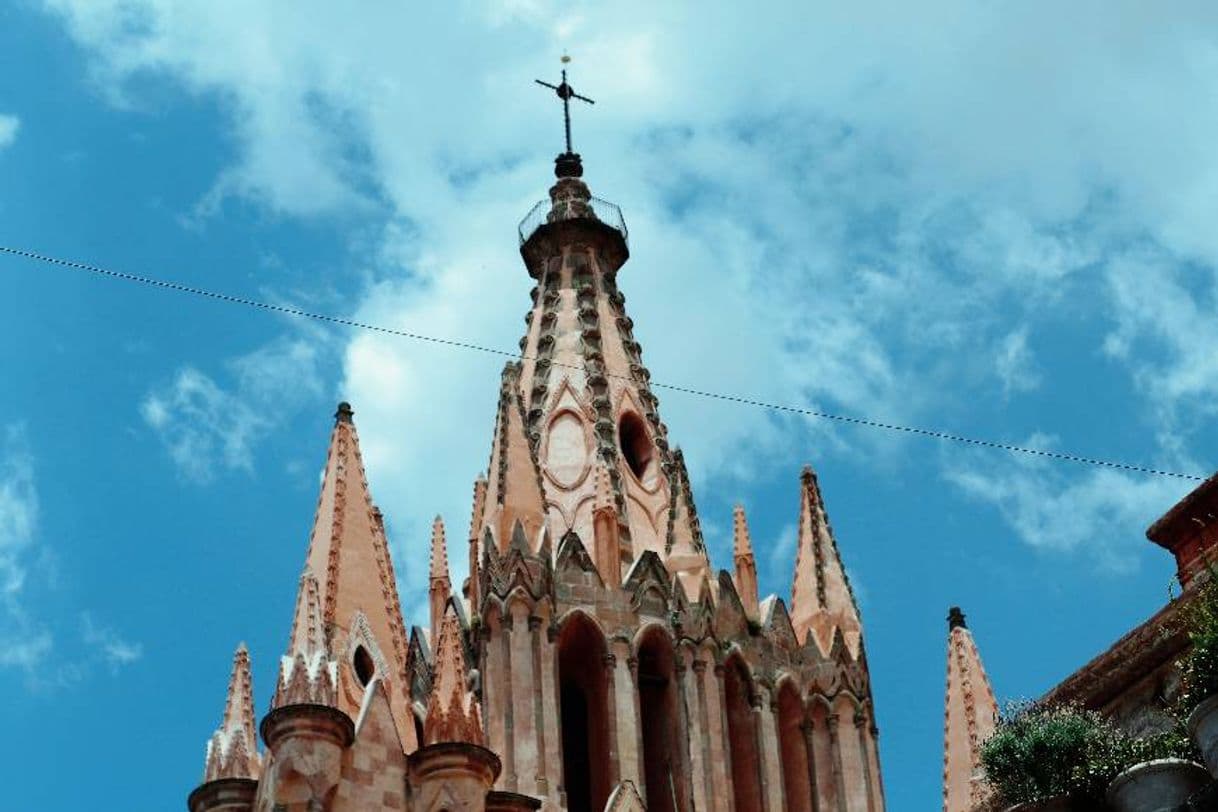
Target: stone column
point(522, 771)
point(835, 749)
point(553, 712)
point(686, 734)
point(509, 715)
point(860, 725)
point(629, 734)
point(703, 787)
point(805, 727)
point(723, 776)
point(543, 701)
point(769, 775)
point(611, 710)
point(773, 789)
point(494, 683)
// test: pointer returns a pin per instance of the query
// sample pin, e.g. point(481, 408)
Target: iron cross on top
point(565, 93)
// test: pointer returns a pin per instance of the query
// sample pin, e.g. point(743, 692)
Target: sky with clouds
point(994, 219)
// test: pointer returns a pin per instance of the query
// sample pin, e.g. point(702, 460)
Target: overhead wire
point(288, 310)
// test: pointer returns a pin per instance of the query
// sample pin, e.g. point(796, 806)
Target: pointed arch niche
point(663, 766)
point(583, 697)
point(742, 735)
point(796, 776)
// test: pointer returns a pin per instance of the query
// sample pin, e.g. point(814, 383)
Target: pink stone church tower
point(594, 659)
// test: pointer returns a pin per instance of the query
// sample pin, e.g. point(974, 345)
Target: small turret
point(475, 547)
point(746, 565)
point(607, 541)
point(453, 769)
point(969, 716)
point(232, 765)
point(440, 587)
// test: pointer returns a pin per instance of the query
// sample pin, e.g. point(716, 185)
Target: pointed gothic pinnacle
point(515, 493)
point(822, 602)
point(969, 717)
point(452, 713)
point(439, 551)
point(232, 751)
point(742, 543)
point(745, 577)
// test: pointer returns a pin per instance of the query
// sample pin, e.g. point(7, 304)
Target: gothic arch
point(663, 765)
point(739, 695)
point(584, 720)
point(791, 718)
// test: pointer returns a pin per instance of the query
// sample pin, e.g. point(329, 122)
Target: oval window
point(637, 448)
point(364, 667)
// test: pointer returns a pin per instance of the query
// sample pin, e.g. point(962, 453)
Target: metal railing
point(602, 210)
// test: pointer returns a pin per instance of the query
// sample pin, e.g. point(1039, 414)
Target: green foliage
point(1200, 666)
point(1039, 752)
point(1128, 751)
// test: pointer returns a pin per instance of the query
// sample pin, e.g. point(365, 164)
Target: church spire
point(452, 711)
point(347, 609)
point(969, 717)
point(232, 751)
point(746, 564)
point(821, 599)
point(440, 588)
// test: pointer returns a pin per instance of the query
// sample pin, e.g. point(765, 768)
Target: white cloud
point(9, 124)
point(1062, 509)
point(849, 223)
point(23, 640)
point(1015, 365)
point(107, 644)
point(28, 632)
point(205, 426)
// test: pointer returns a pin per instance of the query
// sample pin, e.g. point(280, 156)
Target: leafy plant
point(1039, 752)
point(1128, 751)
point(1199, 667)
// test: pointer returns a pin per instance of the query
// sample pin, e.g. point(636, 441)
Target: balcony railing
point(602, 210)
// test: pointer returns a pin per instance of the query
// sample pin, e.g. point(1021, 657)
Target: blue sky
point(992, 219)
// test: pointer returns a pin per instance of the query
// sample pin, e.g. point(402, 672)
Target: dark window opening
point(742, 737)
point(418, 728)
point(637, 448)
point(365, 668)
point(584, 709)
point(663, 764)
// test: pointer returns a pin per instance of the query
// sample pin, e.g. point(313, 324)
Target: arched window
point(637, 448)
point(796, 780)
point(664, 770)
point(742, 736)
point(584, 715)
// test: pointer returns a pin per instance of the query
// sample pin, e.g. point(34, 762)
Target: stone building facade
point(1135, 682)
point(594, 659)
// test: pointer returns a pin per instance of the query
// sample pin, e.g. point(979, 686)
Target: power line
point(947, 436)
